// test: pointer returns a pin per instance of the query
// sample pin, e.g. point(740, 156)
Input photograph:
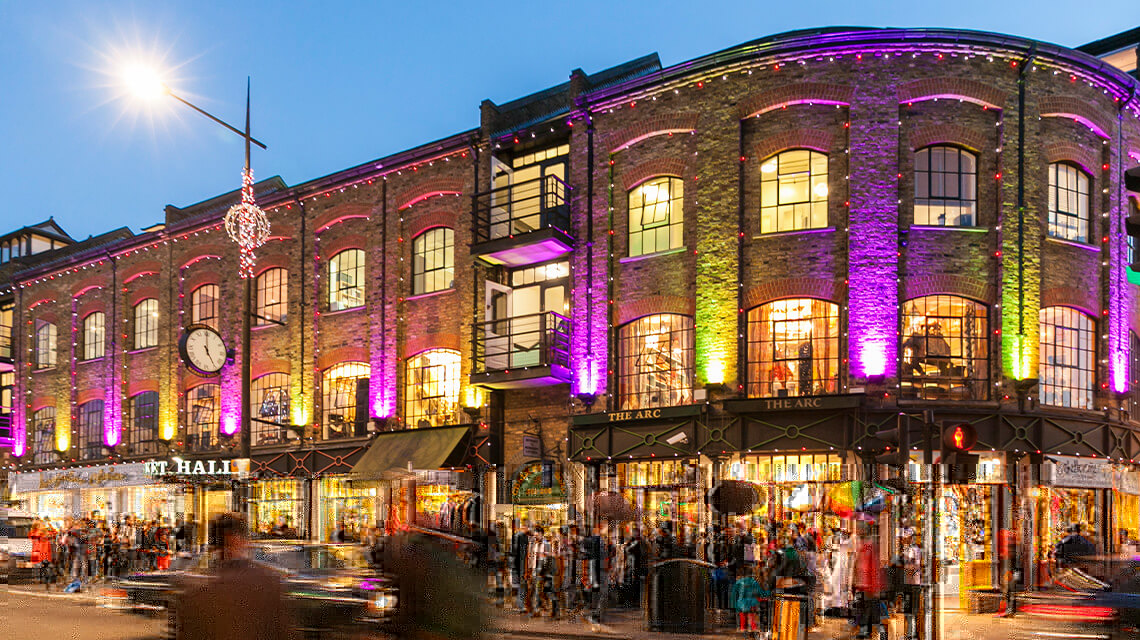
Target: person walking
point(520, 544)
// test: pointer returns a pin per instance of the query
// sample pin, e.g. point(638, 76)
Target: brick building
point(654, 279)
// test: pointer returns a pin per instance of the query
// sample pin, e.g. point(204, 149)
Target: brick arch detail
point(199, 278)
point(653, 305)
point(139, 269)
point(951, 87)
point(428, 220)
point(341, 213)
point(1083, 299)
point(1065, 151)
point(815, 139)
point(819, 288)
point(440, 340)
point(652, 168)
point(40, 302)
point(49, 317)
point(274, 261)
point(201, 252)
point(90, 306)
point(658, 125)
point(263, 366)
point(949, 284)
point(800, 93)
point(142, 293)
point(87, 284)
point(1077, 109)
point(948, 133)
point(87, 395)
point(333, 246)
point(135, 387)
point(42, 402)
point(338, 355)
point(194, 381)
point(426, 189)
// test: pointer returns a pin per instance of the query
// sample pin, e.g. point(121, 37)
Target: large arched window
point(272, 296)
point(43, 436)
point(433, 261)
point(793, 191)
point(945, 187)
point(94, 335)
point(346, 280)
point(945, 350)
point(45, 345)
point(146, 323)
point(793, 348)
point(269, 399)
point(91, 430)
point(143, 420)
point(1067, 358)
point(345, 399)
point(655, 361)
point(656, 216)
point(431, 388)
point(1068, 202)
point(204, 305)
point(202, 417)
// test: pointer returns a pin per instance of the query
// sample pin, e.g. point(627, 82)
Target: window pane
point(202, 417)
point(342, 387)
point(1068, 203)
point(143, 423)
point(433, 260)
point(204, 305)
point(1066, 364)
point(269, 402)
point(272, 296)
point(655, 362)
point(431, 389)
point(346, 280)
point(946, 189)
point(793, 348)
point(146, 324)
point(945, 349)
point(94, 336)
point(792, 180)
point(655, 219)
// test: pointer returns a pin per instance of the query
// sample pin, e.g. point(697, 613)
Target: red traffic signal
point(960, 436)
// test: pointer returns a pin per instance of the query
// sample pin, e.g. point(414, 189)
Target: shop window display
point(663, 492)
point(945, 349)
point(276, 509)
point(269, 395)
point(353, 503)
point(1068, 352)
point(343, 386)
point(431, 389)
point(655, 361)
point(790, 489)
point(793, 348)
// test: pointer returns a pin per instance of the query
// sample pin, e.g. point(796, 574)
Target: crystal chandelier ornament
point(247, 225)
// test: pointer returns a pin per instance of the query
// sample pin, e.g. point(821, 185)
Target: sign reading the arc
point(539, 482)
point(959, 437)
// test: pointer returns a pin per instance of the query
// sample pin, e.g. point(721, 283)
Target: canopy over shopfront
point(418, 449)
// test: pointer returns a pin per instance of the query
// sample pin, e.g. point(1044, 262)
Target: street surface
point(65, 617)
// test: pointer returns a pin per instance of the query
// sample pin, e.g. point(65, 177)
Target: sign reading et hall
point(662, 413)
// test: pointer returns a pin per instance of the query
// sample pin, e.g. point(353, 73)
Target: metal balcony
point(524, 223)
point(524, 351)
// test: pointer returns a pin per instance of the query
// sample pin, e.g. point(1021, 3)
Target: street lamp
point(246, 224)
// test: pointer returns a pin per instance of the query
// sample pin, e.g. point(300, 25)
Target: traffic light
point(898, 438)
point(957, 441)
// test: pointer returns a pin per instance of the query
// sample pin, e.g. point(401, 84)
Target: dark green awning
point(425, 449)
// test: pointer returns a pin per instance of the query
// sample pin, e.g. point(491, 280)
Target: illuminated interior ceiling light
point(820, 190)
point(768, 167)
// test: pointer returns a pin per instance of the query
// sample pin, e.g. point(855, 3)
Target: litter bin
point(789, 617)
point(677, 595)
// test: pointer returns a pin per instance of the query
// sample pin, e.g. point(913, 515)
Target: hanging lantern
point(247, 225)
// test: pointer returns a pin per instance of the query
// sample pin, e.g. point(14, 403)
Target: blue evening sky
point(336, 84)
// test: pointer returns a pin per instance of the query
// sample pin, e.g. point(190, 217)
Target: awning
point(425, 449)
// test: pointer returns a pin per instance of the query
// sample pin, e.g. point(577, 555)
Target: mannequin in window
point(937, 349)
point(779, 375)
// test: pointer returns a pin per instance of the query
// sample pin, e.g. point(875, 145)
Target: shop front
point(1126, 509)
point(102, 492)
point(791, 489)
point(538, 497)
point(1075, 496)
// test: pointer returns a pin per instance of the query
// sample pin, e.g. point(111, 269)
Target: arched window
point(656, 216)
point(202, 417)
point(143, 420)
point(433, 261)
point(793, 348)
point(94, 335)
point(272, 296)
point(146, 323)
point(43, 431)
point(1068, 202)
point(655, 361)
point(204, 305)
point(45, 345)
point(269, 397)
point(1067, 358)
point(431, 388)
point(345, 400)
point(90, 429)
point(346, 280)
point(945, 187)
point(793, 191)
point(945, 350)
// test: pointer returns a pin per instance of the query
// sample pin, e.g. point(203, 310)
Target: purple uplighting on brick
point(231, 399)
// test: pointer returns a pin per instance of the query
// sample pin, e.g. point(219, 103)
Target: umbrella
point(844, 498)
point(733, 496)
point(611, 505)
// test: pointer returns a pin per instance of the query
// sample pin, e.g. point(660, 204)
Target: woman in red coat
point(42, 537)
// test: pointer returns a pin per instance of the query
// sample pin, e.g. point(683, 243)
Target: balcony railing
point(523, 342)
point(514, 211)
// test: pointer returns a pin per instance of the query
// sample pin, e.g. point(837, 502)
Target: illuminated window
point(433, 261)
point(945, 350)
point(272, 296)
point(1068, 354)
point(793, 191)
point(7, 385)
point(43, 429)
point(655, 361)
point(269, 399)
point(346, 280)
point(146, 323)
point(656, 216)
point(94, 335)
point(1134, 374)
point(143, 420)
point(204, 305)
point(7, 316)
point(90, 429)
point(202, 417)
point(1068, 202)
point(793, 348)
point(945, 187)
point(45, 345)
point(345, 399)
point(431, 388)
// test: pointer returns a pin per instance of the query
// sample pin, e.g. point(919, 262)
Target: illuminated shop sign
point(1083, 473)
point(179, 467)
point(121, 475)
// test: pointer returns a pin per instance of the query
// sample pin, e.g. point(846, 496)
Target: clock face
point(203, 350)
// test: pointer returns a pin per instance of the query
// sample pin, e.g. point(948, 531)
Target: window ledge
point(340, 311)
point(797, 232)
point(946, 227)
point(142, 350)
point(43, 369)
point(1073, 243)
point(267, 325)
point(421, 296)
point(99, 359)
point(655, 254)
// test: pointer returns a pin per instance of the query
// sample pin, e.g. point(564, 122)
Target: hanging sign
point(1126, 481)
point(531, 488)
point(531, 447)
point(118, 475)
point(1081, 473)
